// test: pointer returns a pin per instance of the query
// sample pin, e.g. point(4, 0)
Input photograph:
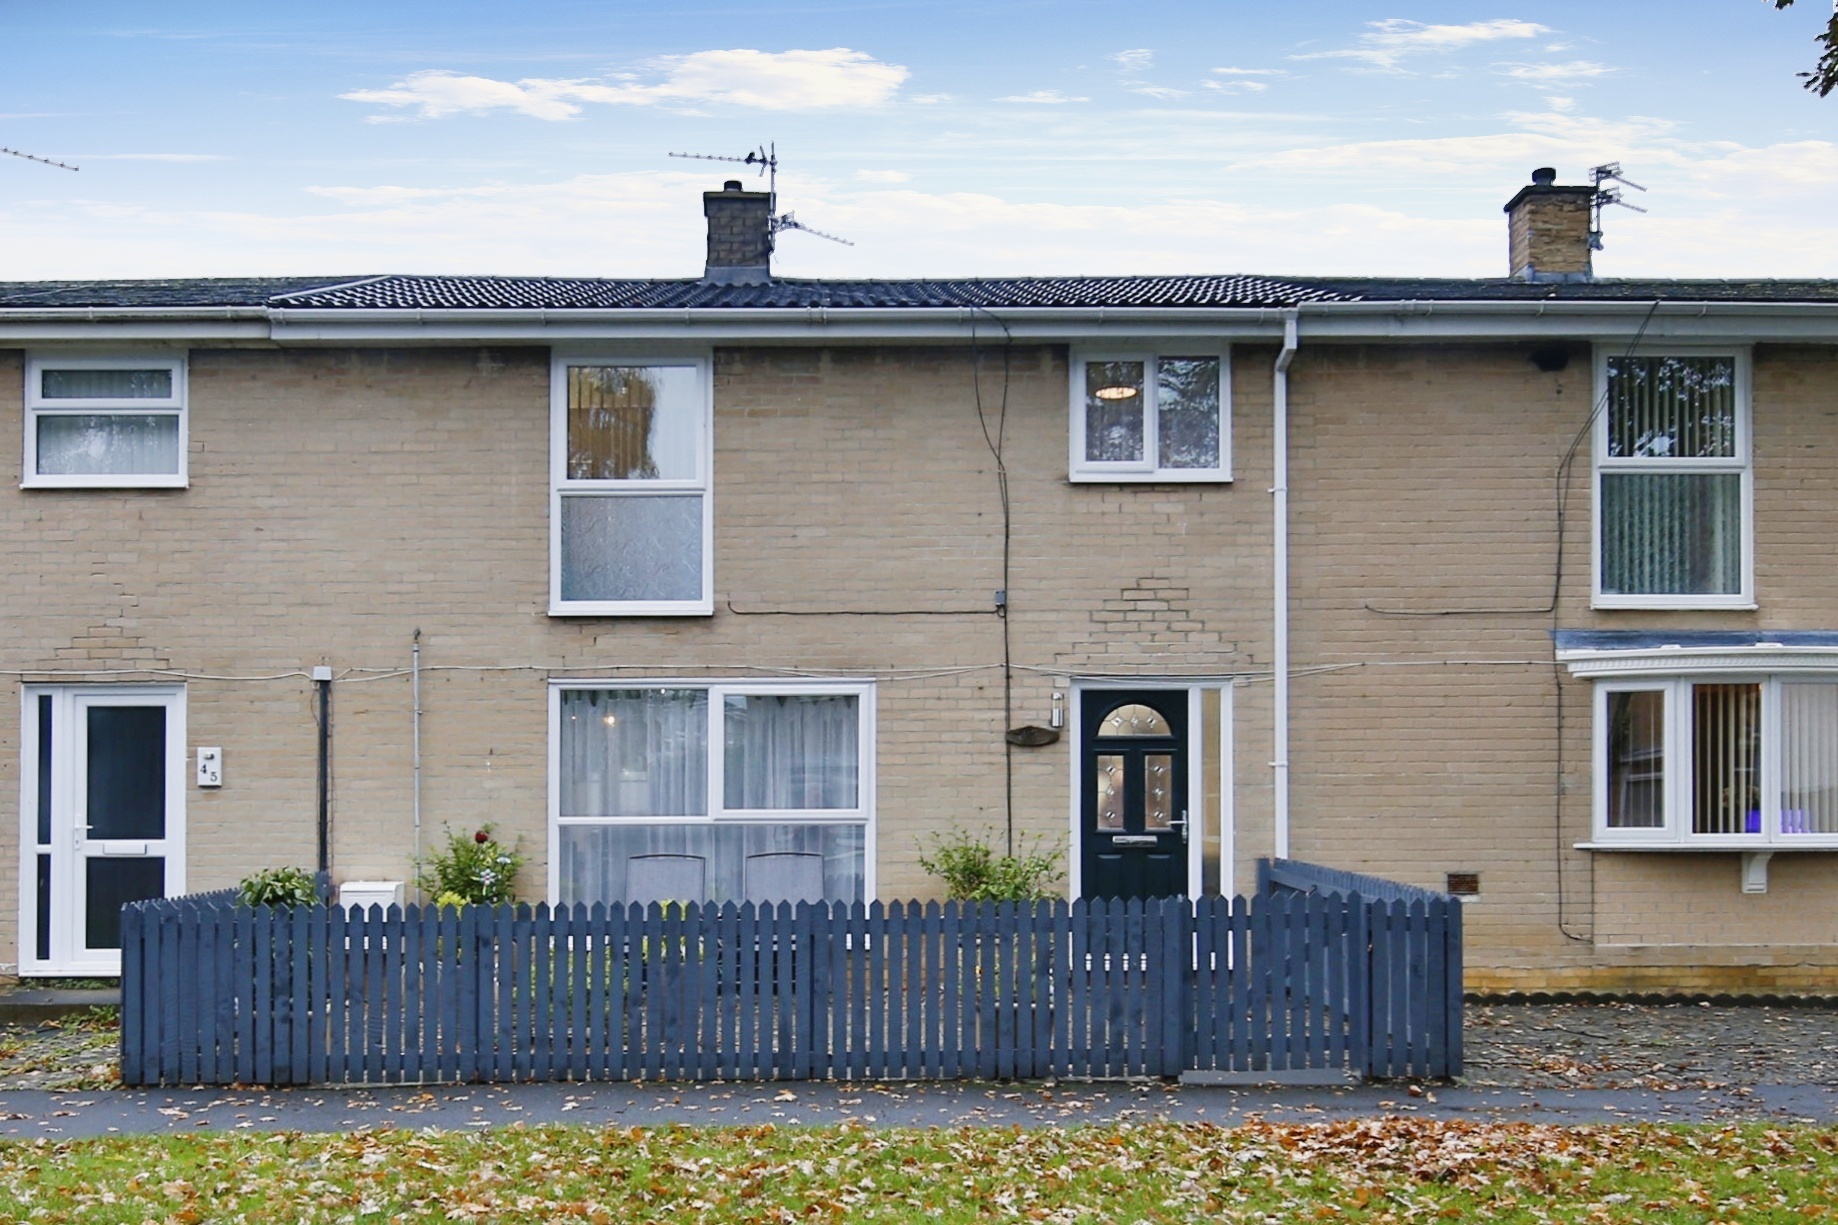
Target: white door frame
point(1196, 775)
point(68, 849)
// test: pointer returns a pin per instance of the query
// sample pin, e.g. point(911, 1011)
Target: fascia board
point(1678, 661)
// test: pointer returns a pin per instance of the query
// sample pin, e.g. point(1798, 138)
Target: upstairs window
point(629, 511)
point(1673, 482)
point(1151, 416)
point(105, 423)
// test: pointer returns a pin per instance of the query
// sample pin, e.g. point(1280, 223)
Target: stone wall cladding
point(341, 499)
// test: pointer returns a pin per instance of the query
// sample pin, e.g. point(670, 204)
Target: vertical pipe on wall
point(322, 680)
point(415, 741)
point(1279, 448)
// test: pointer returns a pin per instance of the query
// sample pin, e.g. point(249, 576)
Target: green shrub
point(472, 869)
point(973, 872)
point(279, 887)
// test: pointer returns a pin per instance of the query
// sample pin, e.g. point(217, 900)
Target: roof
point(567, 293)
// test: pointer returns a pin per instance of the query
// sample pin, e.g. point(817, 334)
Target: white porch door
point(103, 810)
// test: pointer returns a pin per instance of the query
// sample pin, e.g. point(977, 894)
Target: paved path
point(67, 1115)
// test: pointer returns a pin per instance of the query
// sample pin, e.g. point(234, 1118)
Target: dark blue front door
point(1133, 794)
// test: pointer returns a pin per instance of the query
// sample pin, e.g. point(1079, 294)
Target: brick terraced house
point(741, 587)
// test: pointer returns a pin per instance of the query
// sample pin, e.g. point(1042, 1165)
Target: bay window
point(717, 792)
point(1144, 415)
point(1714, 761)
point(1673, 488)
point(105, 422)
point(629, 504)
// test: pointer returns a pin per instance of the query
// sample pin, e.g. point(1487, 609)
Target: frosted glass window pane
point(1134, 720)
point(108, 444)
point(1109, 783)
point(791, 751)
point(1158, 791)
point(1113, 412)
point(1637, 759)
point(1187, 405)
point(1671, 533)
point(1672, 407)
point(632, 548)
point(634, 423)
point(634, 753)
point(106, 384)
point(1726, 759)
point(596, 859)
point(1809, 759)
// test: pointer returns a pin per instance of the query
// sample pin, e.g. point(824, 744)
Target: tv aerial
point(1604, 196)
point(33, 157)
point(765, 160)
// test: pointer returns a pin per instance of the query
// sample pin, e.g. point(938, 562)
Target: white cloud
point(763, 80)
point(1158, 91)
point(1238, 87)
point(932, 99)
point(1134, 62)
point(1575, 70)
point(1559, 103)
point(1044, 97)
point(1390, 41)
point(882, 176)
point(1250, 72)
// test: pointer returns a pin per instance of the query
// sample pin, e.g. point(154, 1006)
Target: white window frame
point(560, 486)
point(1145, 470)
point(1741, 463)
point(1675, 832)
point(37, 406)
point(863, 814)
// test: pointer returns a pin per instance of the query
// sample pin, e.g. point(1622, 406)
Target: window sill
point(1828, 844)
point(1176, 477)
point(1647, 603)
point(658, 609)
point(105, 482)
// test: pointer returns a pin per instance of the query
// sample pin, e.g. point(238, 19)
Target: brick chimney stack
point(1548, 229)
point(739, 235)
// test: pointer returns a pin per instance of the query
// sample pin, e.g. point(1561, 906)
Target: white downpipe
point(1279, 492)
point(415, 740)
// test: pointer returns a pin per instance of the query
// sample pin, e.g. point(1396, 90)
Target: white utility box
point(355, 894)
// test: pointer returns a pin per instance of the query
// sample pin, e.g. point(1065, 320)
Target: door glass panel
point(44, 908)
point(1158, 792)
point(1134, 720)
point(127, 772)
point(1109, 784)
point(111, 883)
point(44, 770)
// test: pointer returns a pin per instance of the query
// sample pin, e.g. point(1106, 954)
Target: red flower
point(481, 837)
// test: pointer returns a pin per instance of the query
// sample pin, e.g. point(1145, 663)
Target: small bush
point(973, 872)
point(472, 869)
point(280, 887)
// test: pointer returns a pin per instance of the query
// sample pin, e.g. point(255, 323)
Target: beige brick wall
point(342, 499)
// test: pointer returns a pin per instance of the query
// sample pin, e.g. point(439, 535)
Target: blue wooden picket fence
point(214, 992)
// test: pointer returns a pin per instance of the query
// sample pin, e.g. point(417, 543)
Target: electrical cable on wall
point(996, 444)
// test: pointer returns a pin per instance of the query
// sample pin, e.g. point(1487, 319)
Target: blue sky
point(943, 139)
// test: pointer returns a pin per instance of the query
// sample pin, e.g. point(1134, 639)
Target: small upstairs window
point(105, 422)
point(629, 511)
point(1151, 416)
point(1673, 490)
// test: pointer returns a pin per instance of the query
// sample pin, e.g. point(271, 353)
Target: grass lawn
point(1399, 1170)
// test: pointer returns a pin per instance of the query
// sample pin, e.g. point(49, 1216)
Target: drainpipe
point(415, 739)
point(1279, 493)
point(322, 681)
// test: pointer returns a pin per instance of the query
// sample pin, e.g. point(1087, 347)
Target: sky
point(1050, 137)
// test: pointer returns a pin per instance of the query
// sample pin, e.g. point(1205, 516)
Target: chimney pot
point(734, 184)
point(1547, 228)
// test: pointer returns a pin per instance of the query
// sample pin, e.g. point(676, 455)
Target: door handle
point(1182, 824)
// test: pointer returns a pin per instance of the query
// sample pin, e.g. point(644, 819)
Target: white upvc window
point(1673, 480)
point(1717, 761)
point(105, 422)
point(1151, 414)
point(727, 791)
point(630, 521)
